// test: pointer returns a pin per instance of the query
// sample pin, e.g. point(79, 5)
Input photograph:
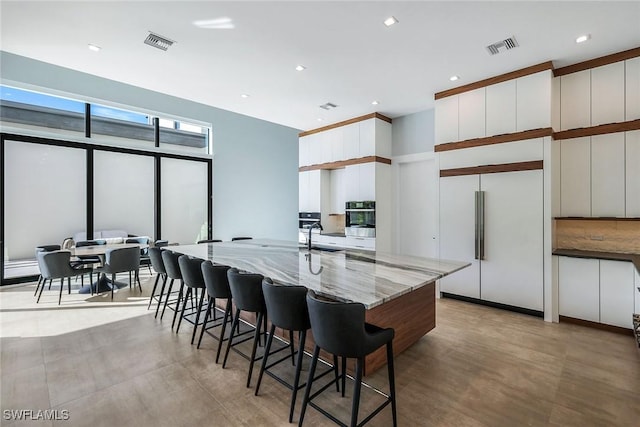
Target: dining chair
point(57, 265)
point(121, 260)
point(43, 248)
point(144, 253)
point(87, 261)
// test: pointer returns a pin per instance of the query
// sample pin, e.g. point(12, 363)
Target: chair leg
point(356, 392)
point(69, 285)
point(307, 389)
point(61, 288)
point(236, 319)
point(138, 279)
point(91, 282)
point(293, 350)
point(255, 346)
point(344, 374)
point(129, 280)
point(184, 306)
point(296, 379)
point(180, 295)
point(164, 282)
point(38, 285)
point(263, 365)
point(167, 298)
point(195, 325)
point(153, 291)
point(204, 322)
point(44, 282)
point(227, 313)
point(392, 382)
point(113, 284)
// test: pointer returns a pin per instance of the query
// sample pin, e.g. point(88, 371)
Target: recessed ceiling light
point(94, 48)
point(454, 78)
point(390, 21)
point(300, 68)
point(319, 119)
point(583, 38)
point(222, 23)
point(375, 102)
point(245, 95)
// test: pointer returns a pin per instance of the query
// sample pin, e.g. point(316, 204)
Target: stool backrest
point(216, 280)
point(171, 265)
point(55, 264)
point(155, 255)
point(337, 327)
point(246, 289)
point(286, 305)
point(191, 270)
point(122, 259)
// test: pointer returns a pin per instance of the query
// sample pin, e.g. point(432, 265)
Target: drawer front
point(366, 243)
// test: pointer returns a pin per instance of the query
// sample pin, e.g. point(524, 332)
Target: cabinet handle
point(479, 223)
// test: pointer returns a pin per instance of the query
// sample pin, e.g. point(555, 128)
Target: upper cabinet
point(533, 101)
point(607, 94)
point(575, 100)
point(446, 119)
point(471, 110)
point(501, 108)
point(632, 88)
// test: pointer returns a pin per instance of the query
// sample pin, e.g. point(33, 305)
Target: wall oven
point(306, 219)
point(360, 219)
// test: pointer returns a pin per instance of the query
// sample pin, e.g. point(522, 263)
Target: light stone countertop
point(371, 278)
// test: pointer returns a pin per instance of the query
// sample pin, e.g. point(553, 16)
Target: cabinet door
point(636, 291)
point(367, 176)
point(352, 183)
point(315, 149)
point(632, 89)
point(337, 178)
point(607, 94)
point(632, 169)
point(607, 175)
point(446, 119)
point(303, 191)
point(366, 243)
point(578, 288)
point(616, 293)
point(471, 117)
point(337, 145)
point(303, 153)
point(325, 139)
point(367, 138)
point(575, 100)
point(351, 141)
point(512, 267)
point(457, 233)
point(314, 190)
point(575, 177)
point(501, 108)
point(533, 101)
point(383, 138)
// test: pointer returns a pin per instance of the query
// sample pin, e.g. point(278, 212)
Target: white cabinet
point(575, 177)
point(608, 175)
point(352, 182)
point(367, 138)
point(446, 119)
point(304, 151)
point(315, 148)
point(501, 108)
point(360, 182)
point(338, 186)
point(471, 114)
point(309, 195)
point(632, 166)
point(632, 89)
point(636, 291)
point(383, 138)
point(351, 141)
point(510, 272)
point(575, 100)
point(616, 290)
point(366, 243)
point(533, 101)
point(607, 94)
point(578, 288)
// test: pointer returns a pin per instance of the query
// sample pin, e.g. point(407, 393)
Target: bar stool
point(217, 283)
point(155, 255)
point(340, 329)
point(191, 270)
point(170, 260)
point(287, 308)
point(246, 290)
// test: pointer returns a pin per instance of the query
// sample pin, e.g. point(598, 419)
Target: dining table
point(103, 283)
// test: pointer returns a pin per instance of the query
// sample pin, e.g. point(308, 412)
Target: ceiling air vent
point(328, 106)
point(158, 41)
point(502, 45)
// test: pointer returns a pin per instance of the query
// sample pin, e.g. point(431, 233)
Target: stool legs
point(392, 382)
point(255, 345)
point(357, 386)
point(296, 379)
point(307, 389)
point(166, 301)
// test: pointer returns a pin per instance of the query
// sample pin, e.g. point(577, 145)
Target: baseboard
point(507, 307)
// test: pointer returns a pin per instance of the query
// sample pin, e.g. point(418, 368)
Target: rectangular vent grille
point(328, 106)
point(502, 45)
point(158, 41)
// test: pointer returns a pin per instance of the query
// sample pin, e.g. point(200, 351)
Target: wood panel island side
point(398, 291)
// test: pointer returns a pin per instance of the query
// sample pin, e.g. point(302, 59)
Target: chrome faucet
point(311, 227)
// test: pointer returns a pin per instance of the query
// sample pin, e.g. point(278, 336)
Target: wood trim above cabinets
point(598, 130)
point(346, 122)
point(597, 62)
point(498, 139)
point(342, 163)
point(505, 167)
point(497, 79)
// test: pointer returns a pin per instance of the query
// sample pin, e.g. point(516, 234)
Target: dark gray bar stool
point(340, 329)
point(191, 270)
point(155, 256)
point(217, 283)
point(170, 260)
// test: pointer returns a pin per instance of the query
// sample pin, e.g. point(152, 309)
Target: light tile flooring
point(111, 363)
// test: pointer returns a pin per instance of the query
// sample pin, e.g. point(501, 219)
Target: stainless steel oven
point(306, 219)
point(360, 219)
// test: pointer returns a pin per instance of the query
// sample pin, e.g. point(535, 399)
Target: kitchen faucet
point(311, 227)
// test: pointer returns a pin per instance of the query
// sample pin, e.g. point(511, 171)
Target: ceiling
point(352, 58)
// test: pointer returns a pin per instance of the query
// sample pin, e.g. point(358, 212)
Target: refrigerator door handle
point(476, 243)
point(481, 225)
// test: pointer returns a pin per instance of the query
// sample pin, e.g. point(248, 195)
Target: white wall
point(255, 162)
point(413, 133)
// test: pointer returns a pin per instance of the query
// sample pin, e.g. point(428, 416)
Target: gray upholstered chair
point(43, 248)
point(144, 253)
point(57, 265)
point(121, 260)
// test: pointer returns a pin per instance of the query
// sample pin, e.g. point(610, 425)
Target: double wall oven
point(307, 219)
point(360, 219)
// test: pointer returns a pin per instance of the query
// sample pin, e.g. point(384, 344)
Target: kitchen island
point(398, 291)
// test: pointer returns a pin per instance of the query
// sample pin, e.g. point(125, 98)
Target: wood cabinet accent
point(497, 79)
point(346, 122)
point(597, 130)
point(506, 167)
point(498, 139)
point(596, 325)
point(344, 163)
point(597, 62)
